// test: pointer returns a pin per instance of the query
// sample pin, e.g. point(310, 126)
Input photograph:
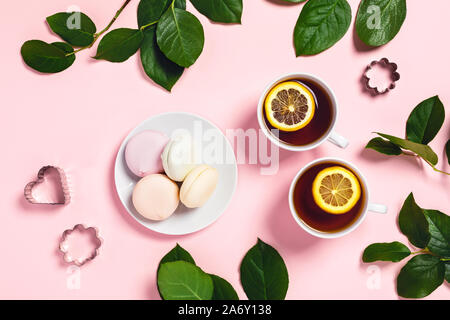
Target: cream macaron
point(198, 186)
point(179, 156)
point(156, 197)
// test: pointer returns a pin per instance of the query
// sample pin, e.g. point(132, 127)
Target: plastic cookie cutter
point(50, 187)
point(80, 244)
point(372, 81)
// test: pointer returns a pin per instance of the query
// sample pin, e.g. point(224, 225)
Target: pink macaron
point(143, 152)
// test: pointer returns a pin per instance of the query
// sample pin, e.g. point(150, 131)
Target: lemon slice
point(336, 190)
point(289, 106)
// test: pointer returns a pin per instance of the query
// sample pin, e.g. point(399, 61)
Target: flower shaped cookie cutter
point(60, 183)
point(82, 237)
point(394, 76)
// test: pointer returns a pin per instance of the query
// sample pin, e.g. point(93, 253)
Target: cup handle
point(338, 140)
point(377, 208)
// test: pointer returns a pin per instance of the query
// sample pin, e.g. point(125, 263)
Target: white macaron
point(198, 186)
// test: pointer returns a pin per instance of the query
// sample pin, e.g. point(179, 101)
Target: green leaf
point(421, 150)
point(223, 290)
point(119, 44)
point(181, 280)
point(227, 11)
point(180, 36)
point(150, 11)
point(413, 224)
point(178, 253)
point(447, 151)
point(447, 271)
point(75, 27)
point(264, 275)
point(384, 146)
point(156, 65)
point(394, 252)
point(420, 276)
point(425, 121)
point(439, 228)
point(180, 4)
point(67, 49)
point(46, 58)
point(379, 21)
point(320, 25)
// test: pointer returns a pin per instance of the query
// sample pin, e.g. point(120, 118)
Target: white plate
point(184, 220)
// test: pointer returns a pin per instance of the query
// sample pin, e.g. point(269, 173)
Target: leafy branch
point(168, 37)
point(422, 126)
point(428, 230)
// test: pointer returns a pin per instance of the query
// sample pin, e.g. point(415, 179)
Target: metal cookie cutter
point(69, 249)
point(63, 185)
point(395, 76)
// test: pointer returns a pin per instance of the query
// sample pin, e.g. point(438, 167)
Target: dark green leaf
point(384, 146)
point(420, 276)
point(263, 273)
point(425, 121)
point(67, 49)
point(150, 11)
point(379, 21)
point(421, 150)
point(180, 36)
point(46, 58)
point(320, 25)
point(178, 253)
point(394, 252)
point(156, 65)
point(180, 4)
point(447, 271)
point(181, 280)
point(223, 290)
point(228, 11)
point(447, 151)
point(119, 44)
point(76, 28)
point(439, 227)
point(413, 224)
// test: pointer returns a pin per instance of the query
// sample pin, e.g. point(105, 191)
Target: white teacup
point(330, 135)
point(366, 205)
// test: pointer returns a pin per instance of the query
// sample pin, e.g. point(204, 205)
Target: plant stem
point(436, 169)
point(148, 25)
point(445, 259)
point(421, 251)
point(98, 34)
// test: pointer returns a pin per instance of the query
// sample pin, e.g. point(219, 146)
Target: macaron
point(143, 152)
point(156, 197)
point(179, 156)
point(198, 186)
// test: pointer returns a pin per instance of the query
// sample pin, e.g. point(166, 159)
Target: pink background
point(78, 118)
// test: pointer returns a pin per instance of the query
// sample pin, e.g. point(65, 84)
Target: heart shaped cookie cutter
point(65, 246)
point(395, 76)
point(28, 191)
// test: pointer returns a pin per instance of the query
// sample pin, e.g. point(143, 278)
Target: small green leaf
point(447, 151)
point(394, 252)
point(156, 65)
point(413, 224)
point(178, 253)
point(119, 44)
point(384, 146)
point(75, 27)
point(150, 11)
point(227, 11)
point(46, 58)
point(379, 21)
point(223, 290)
point(439, 227)
point(264, 275)
point(181, 280)
point(421, 150)
point(320, 25)
point(420, 276)
point(425, 121)
point(180, 36)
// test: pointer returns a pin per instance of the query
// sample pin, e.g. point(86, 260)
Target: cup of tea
point(329, 198)
point(298, 112)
